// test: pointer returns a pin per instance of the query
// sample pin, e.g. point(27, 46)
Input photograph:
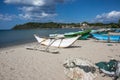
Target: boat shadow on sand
point(74, 47)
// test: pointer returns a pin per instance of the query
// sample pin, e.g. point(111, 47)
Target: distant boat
point(106, 37)
point(59, 41)
point(117, 30)
point(99, 31)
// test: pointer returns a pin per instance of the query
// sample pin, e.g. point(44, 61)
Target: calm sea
point(15, 37)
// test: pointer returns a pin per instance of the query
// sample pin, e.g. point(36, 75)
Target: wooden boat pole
point(108, 37)
point(50, 44)
point(119, 39)
point(60, 42)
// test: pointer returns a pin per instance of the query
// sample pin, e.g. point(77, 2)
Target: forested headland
point(36, 25)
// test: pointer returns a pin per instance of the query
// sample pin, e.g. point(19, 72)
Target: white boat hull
point(63, 42)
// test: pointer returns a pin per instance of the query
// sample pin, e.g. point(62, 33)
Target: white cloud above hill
point(112, 16)
point(36, 9)
point(6, 17)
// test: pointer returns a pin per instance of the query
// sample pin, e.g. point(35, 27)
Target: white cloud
point(36, 13)
point(112, 16)
point(36, 9)
point(36, 16)
point(26, 2)
point(6, 17)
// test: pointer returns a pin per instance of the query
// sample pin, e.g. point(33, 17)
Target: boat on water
point(59, 41)
point(107, 37)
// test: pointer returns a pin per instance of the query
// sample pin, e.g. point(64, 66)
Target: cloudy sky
point(13, 12)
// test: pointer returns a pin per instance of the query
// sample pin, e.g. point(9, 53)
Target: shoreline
point(18, 63)
point(16, 44)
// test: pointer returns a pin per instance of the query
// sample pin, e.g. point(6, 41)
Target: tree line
point(36, 25)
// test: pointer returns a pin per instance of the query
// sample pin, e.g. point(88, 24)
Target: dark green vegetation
point(35, 25)
point(110, 25)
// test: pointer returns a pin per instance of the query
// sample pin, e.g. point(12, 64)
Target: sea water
point(14, 37)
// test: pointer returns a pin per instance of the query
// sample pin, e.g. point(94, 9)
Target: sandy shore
point(18, 63)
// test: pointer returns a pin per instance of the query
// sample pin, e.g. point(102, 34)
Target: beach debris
point(79, 69)
point(111, 68)
point(117, 55)
point(110, 44)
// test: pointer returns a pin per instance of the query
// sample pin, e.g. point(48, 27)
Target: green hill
point(33, 25)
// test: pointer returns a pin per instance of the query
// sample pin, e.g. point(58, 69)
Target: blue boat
point(106, 37)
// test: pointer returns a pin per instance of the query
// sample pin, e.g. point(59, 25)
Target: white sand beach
point(18, 63)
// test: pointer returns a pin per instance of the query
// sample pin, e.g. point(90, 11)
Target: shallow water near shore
point(14, 37)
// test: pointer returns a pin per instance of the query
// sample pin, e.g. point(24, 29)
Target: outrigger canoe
point(73, 34)
point(84, 34)
point(108, 38)
point(57, 41)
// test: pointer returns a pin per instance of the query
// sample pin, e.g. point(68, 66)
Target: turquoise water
point(14, 37)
